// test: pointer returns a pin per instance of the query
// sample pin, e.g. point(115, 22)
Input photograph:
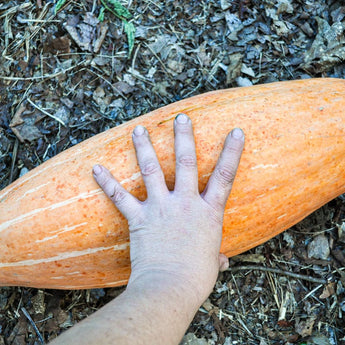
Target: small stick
point(25, 312)
point(278, 271)
point(48, 76)
point(45, 112)
point(161, 62)
point(14, 157)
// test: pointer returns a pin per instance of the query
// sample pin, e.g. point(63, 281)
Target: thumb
point(223, 262)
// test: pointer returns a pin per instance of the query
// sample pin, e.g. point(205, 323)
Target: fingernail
point(139, 130)
point(182, 118)
point(97, 169)
point(237, 133)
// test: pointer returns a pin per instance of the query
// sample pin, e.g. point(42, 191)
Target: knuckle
point(225, 175)
point(184, 129)
point(149, 168)
point(232, 149)
point(118, 195)
point(187, 161)
point(136, 222)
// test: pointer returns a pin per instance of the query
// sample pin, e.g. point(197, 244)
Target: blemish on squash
point(166, 120)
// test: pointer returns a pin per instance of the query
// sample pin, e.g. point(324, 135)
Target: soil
point(66, 75)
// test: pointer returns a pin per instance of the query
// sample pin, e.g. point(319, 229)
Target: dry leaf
point(328, 47)
point(38, 302)
point(161, 88)
point(98, 95)
point(89, 35)
point(255, 258)
point(234, 69)
point(327, 291)
point(191, 339)
point(318, 248)
point(305, 328)
point(123, 87)
point(319, 339)
point(58, 46)
point(23, 127)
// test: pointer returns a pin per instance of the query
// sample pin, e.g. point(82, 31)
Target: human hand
point(176, 235)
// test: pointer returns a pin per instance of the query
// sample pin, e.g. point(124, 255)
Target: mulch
point(67, 74)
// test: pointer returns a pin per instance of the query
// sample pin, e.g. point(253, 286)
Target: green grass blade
point(101, 14)
point(59, 5)
point(117, 9)
point(130, 31)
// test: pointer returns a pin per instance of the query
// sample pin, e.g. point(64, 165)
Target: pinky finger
point(126, 203)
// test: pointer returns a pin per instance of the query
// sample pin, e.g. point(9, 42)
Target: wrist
point(165, 286)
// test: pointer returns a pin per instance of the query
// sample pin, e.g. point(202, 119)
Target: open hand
point(176, 234)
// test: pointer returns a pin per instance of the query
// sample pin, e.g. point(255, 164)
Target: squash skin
point(58, 230)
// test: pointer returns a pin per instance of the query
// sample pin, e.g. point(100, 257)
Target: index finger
point(220, 183)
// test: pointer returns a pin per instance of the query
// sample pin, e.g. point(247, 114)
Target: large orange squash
point(58, 229)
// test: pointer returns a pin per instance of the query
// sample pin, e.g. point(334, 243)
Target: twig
point(41, 21)
point(47, 76)
point(160, 61)
point(14, 157)
point(45, 112)
point(278, 271)
point(13, 9)
point(25, 39)
point(25, 312)
point(105, 80)
point(2, 178)
point(311, 293)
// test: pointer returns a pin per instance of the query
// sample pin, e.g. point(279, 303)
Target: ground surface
point(65, 77)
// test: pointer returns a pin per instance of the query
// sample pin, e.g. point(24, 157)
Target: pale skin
point(175, 239)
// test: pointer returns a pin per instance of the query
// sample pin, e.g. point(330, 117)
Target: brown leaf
point(191, 339)
point(38, 302)
point(123, 87)
point(305, 328)
point(101, 33)
point(234, 69)
point(89, 34)
point(18, 335)
point(204, 58)
point(327, 291)
point(17, 118)
point(98, 95)
point(61, 45)
point(26, 132)
point(284, 323)
point(23, 127)
point(255, 258)
point(293, 338)
point(328, 47)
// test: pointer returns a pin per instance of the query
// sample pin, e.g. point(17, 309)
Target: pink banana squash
point(58, 230)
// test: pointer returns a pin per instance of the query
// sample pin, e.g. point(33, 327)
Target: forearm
point(175, 239)
point(149, 311)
